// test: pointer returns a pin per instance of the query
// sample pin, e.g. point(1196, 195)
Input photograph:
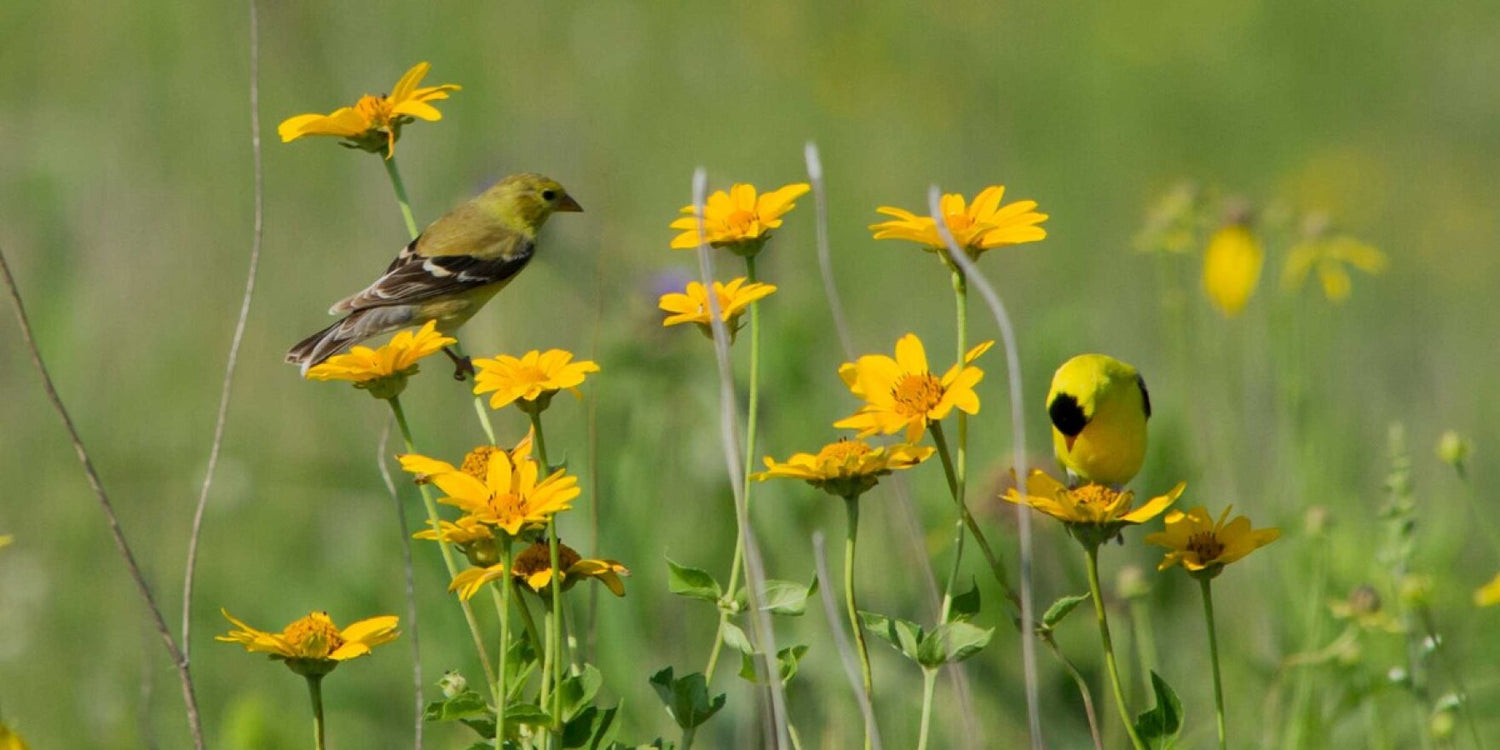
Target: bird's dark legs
point(463, 367)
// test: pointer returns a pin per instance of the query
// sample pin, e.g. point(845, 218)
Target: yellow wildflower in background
point(384, 371)
point(1172, 222)
point(9, 740)
point(976, 227)
point(6, 539)
point(374, 122)
point(1092, 512)
point(1488, 594)
point(510, 497)
point(691, 305)
point(1331, 256)
point(534, 377)
point(1231, 268)
point(313, 645)
point(902, 394)
point(1204, 546)
point(533, 567)
point(738, 220)
point(847, 467)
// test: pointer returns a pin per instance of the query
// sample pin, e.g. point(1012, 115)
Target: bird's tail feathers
point(338, 337)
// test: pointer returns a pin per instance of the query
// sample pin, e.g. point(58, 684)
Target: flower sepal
point(388, 387)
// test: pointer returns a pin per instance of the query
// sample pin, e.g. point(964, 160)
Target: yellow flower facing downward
point(1231, 268)
point(1489, 594)
point(901, 394)
point(313, 645)
point(509, 497)
point(1204, 546)
point(374, 122)
point(739, 220)
point(531, 379)
point(383, 372)
point(1093, 513)
point(1332, 257)
point(691, 306)
point(976, 227)
point(847, 468)
point(533, 569)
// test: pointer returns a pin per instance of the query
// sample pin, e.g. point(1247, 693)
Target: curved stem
point(1213, 653)
point(315, 691)
point(997, 567)
point(851, 507)
point(501, 689)
point(401, 200)
point(484, 419)
point(1109, 648)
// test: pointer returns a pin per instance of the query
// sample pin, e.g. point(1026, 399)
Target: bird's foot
point(463, 366)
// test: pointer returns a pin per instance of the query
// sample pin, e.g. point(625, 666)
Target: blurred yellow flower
point(1092, 512)
point(902, 394)
point(976, 227)
point(847, 468)
point(313, 645)
point(732, 300)
point(739, 220)
point(533, 567)
point(1488, 594)
point(374, 122)
point(1330, 256)
point(6, 539)
point(1172, 222)
point(509, 497)
point(465, 531)
point(532, 378)
point(1202, 545)
point(10, 740)
point(384, 371)
point(1231, 268)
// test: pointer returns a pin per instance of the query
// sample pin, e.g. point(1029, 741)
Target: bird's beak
point(568, 204)
point(1068, 440)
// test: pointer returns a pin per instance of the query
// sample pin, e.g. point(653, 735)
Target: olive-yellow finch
point(1098, 406)
point(448, 272)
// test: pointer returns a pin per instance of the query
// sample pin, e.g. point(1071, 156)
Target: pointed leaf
point(686, 698)
point(966, 605)
point(578, 691)
point(1061, 608)
point(1159, 727)
point(787, 597)
point(464, 705)
point(904, 635)
point(693, 583)
point(952, 642)
point(591, 729)
point(735, 638)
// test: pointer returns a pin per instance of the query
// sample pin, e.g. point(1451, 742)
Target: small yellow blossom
point(1331, 256)
point(976, 227)
point(847, 468)
point(509, 497)
point(533, 567)
point(383, 372)
point(902, 394)
point(1231, 268)
point(533, 378)
point(1093, 513)
point(374, 122)
point(9, 740)
point(313, 645)
point(1488, 594)
point(1202, 545)
point(738, 220)
point(732, 300)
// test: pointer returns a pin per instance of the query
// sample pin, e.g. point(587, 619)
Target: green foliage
point(686, 698)
point(1160, 726)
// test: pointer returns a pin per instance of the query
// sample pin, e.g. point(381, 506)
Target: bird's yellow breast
point(1108, 399)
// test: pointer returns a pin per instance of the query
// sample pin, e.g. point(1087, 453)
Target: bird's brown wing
point(413, 277)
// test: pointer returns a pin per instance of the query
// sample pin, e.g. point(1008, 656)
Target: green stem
point(484, 419)
point(530, 624)
point(929, 684)
point(502, 695)
point(1109, 649)
point(997, 567)
point(851, 507)
point(315, 690)
point(552, 661)
point(401, 199)
point(444, 546)
point(687, 737)
point(1083, 688)
point(1213, 653)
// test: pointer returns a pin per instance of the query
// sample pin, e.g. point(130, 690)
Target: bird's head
point(524, 201)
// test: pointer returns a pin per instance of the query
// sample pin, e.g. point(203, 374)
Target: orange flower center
point(1094, 495)
point(741, 222)
point(312, 637)
point(477, 461)
point(844, 452)
point(507, 505)
point(916, 394)
point(377, 110)
point(1206, 546)
point(530, 375)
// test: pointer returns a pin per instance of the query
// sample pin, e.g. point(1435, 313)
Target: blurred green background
point(125, 211)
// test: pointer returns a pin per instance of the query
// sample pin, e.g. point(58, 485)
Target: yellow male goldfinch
point(1099, 407)
point(448, 272)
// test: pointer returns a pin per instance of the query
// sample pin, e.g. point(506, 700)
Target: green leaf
point(952, 642)
point(787, 661)
point(578, 691)
point(519, 714)
point(735, 638)
point(1159, 727)
point(467, 704)
point(686, 698)
point(693, 583)
point(592, 729)
point(966, 605)
point(520, 661)
point(1061, 608)
point(904, 635)
point(787, 597)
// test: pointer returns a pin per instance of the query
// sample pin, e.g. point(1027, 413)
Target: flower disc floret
point(901, 394)
point(976, 227)
point(739, 220)
point(374, 122)
point(530, 381)
point(1204, 546)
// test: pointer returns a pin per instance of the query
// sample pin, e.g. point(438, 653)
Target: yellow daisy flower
point(533, 567)
point(1093, 513)
point(509, 497)
point(976, 227)
point(476, 462)
point(374, 122)
point(902, 394)
point(383, 372)
point(732, 299)
point(738, 220)
point(1488, 594)
point(313, 645)
point(847, 468)
point(533, 378)
point(1331, 256)
point(1231, 268)
point(1204, 546)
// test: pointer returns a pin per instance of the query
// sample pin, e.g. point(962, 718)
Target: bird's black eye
point(549, 194)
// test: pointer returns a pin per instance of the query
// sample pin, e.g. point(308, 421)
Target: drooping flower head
point(1331, 256)
point(732, 299)
point(530, 381)
point(1092, 513)
point(1231, 268)
point(313, 645)
point(976, 227)
point(383, 372)
point(1204, 546)
point(739, 220)
point(533, 569)
point(902, 394)
point(374, 122)
point(509, 497)
point(846, 468)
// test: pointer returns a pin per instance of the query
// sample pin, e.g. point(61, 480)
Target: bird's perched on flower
point(1099, 406)
point(448, 272)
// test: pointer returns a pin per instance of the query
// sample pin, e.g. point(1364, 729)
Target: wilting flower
point(732, 300)
point(533, 567)
point(533, 378)
point(1231, 268)
point(1093, 513)
point(737, 220)
point(374, 122)
point(976, 227)
point(1488, 594)
point(383, 372)
point(902, 394)
point(313, 645)
point(509, 497)
point(847, 468)
point(1204, 546)
point(1331, 256)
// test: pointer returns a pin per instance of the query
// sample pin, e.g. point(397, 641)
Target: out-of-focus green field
point(125, 211)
